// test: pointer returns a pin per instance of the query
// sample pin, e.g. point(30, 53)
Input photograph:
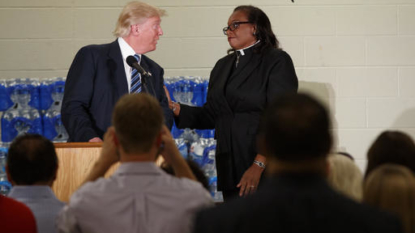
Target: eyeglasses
point(233, 26)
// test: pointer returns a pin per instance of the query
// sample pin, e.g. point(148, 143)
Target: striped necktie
point(135, 78)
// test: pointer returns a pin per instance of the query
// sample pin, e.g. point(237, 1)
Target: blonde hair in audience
point(345, 176)
point(135, 13)
point(392, 188)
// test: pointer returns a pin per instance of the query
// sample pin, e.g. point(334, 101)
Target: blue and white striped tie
point(135, 79)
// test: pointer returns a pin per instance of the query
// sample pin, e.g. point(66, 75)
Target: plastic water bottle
point(21, 118)
point(177, 89)
point(46, 94)
point(180, 142)
point(187, 91)
point(52, 123)
point(5, 101)
point(198, 92)
point(198, 147)
point(209, 160)
point(169, 83)
point(205, 89)
point(5, 185)
point(210, 167)
point(34, 86)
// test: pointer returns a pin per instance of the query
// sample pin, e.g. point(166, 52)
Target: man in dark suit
point(295, 136)
point(100, 75)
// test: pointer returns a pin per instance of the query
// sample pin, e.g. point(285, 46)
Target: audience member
point(15, 217)
point(296, 140)
point(139, 197)
point(346, 154)
point(391, 147)
point(197, 172)
point(31, 167)
point(345, 176)
point(392, 188)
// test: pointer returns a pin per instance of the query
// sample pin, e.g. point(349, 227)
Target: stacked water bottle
point(5, 185)
point(32, 106)
point(196, 145)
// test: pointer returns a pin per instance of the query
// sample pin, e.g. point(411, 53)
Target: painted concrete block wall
point(357, 56)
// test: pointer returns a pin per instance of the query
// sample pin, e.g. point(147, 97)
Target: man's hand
point(109, 154)
point(96, 139)
point(108, 157)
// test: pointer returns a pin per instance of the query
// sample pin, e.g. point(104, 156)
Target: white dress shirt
point(127, 51)
point(139, 197)
point(43, 203)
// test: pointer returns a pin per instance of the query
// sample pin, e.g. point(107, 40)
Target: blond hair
point(135, 13)
point(392, 188)
point(137, 119)
point(345, 176)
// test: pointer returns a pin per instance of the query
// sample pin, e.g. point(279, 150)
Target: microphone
point(131, 61)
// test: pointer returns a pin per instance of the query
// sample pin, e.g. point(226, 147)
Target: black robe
point(235, 101)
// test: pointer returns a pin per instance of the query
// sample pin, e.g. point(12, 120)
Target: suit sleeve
point(78, 93)
point(164, 103)
point(195, 117)
point(282, 78)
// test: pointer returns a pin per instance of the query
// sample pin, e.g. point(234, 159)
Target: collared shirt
point(241, 51)
point(43, 203)
point(127, 51)
point(139, 197)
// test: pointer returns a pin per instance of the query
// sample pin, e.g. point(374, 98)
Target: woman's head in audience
point(345, 176)
point(200, 176)
point(391, 188)
point(391, 147)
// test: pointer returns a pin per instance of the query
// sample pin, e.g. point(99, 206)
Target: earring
point(254, 33)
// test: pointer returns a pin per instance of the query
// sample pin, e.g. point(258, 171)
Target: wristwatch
point(260, 164)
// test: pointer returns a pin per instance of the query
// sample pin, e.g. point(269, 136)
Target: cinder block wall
point(358, 56)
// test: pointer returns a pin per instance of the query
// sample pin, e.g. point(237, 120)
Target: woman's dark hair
point(263, 28)
point(200, 176)
point(393, 147)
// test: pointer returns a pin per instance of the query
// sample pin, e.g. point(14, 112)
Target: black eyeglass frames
point(233, 26)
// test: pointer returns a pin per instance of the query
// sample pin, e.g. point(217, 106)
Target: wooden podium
point(75, 162)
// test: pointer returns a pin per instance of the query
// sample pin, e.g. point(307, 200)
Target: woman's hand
point(250, 180)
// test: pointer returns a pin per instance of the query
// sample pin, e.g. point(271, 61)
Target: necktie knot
point(137, 57)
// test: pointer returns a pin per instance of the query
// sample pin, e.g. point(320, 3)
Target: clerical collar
point(241, 51)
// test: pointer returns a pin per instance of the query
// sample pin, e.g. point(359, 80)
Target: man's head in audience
point(138, 120)
point(32, 160)
point(295, 135)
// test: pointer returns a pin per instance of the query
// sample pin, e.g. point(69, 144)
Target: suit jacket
point(235, 102)
point(293, 203)
point(95, 82)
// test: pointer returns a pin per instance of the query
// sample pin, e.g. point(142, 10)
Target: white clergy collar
point(241, 51)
